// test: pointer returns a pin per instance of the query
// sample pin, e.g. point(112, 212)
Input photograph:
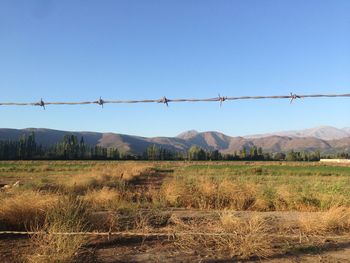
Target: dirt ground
point(162, 249)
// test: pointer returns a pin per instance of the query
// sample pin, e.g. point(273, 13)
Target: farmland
point(174, 211)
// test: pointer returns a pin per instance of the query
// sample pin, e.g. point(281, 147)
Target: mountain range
point(326, 139)
point(321, 132)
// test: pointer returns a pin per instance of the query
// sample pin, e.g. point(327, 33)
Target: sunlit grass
point(109, 189)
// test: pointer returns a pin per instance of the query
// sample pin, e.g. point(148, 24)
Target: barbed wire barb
point(41, 103)
point(165, 101)
point(100, 102)
point(293, 97)
point(221, 99)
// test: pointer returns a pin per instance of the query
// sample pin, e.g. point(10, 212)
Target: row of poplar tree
point(26, 148)
point(70, 148)
point(196, 153)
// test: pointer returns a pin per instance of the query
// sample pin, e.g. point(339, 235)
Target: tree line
point(196, 153)
point(72, 148)
point(26, 148)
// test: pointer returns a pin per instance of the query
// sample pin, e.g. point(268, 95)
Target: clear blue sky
point(80, 50)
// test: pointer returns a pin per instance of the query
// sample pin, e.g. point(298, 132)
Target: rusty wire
point(168, 234)
point(166, 101)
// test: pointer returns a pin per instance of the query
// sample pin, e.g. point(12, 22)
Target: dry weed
point(20, 210)
point(335, 220)
point(100, 176)
point(104, 198)
point(209, 194)
point(251, 236)
point(233, 196)
point(125, 171)
point(69, 215)
point(80, 183)
point(230, 236)
point(205, 194)
point(175, 193)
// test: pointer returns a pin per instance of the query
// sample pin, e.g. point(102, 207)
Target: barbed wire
point(172, 235)
point(154, 234)
point(125, 233)
point(166, 101)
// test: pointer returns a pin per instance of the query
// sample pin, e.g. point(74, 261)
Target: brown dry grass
point(208, 194)
point(104, 198)
point(20, 210)
point(69, 215)
point(252, 236)
point(335, 220)
point(125, 171)
point(230, 236)
point(175, 193)
point(112, 175)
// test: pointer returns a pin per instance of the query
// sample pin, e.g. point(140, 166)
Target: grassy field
point(253, 210)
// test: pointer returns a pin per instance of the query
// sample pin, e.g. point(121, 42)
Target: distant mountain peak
point(187, 134)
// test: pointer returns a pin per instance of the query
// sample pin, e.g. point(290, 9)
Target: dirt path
point(13, 247)
point(152, 179)
point(161, 250)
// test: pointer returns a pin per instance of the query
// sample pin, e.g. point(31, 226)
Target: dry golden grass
point(20, 209)
point(225, 192)
point(125, 171)
point(204, 194)
point(230, 236)
point(174, 193)
point(284, 198)
point(104, 198)
point(275, 199)
point(112, 175)
point(335, 220)
point(69, 215)
point(234, 196)
point(208, 194)
point(80, 183)
point(252, 236)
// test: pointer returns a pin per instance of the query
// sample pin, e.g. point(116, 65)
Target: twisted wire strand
point(169, 234)
point(166, 100)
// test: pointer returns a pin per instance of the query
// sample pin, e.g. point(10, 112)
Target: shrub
point(69, 215)
point(20, 210)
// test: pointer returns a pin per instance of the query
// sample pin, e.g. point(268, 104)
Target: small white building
point(335, 161)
